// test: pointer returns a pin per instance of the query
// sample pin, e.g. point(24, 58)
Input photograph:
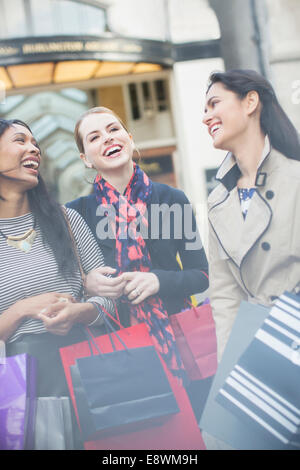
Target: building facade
point(147, 60)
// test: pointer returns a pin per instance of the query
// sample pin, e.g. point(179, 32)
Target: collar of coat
point(236, 235)
point(229, 172)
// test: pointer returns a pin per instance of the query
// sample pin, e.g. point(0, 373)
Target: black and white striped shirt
point(24, 275)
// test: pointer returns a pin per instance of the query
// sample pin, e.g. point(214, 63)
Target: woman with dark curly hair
point(45, 252)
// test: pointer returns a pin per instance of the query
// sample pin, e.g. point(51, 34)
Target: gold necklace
point(21, 242)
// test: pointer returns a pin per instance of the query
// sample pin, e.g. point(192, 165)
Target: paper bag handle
point(91, 338)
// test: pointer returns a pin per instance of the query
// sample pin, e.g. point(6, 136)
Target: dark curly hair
point(50, 216)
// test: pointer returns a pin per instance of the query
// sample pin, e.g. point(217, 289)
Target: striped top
point(24, 275)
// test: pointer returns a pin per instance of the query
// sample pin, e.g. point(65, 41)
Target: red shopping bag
point(180, 431)
point(195, 335)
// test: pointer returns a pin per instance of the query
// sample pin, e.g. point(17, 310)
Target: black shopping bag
point(262, 390)
point(122, 390)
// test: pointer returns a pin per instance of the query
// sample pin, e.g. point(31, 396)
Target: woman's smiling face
point(226, 116)
point(19, 157)
point(107, 145)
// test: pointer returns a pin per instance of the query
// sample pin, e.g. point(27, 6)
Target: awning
point(43, 61)
point(59, 60)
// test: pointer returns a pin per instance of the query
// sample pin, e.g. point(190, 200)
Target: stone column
point(244, 33)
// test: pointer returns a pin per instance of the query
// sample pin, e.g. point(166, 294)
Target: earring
point(89, 165)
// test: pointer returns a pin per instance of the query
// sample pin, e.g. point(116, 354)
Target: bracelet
point(94, 321)
point(97, 308)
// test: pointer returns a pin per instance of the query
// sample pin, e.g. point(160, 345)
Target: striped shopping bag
point(263, 389)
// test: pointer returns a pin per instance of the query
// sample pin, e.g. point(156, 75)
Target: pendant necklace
point(21, 242)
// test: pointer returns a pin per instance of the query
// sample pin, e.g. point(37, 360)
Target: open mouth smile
point(113, 151)
point(214, 129)
point(31, 164)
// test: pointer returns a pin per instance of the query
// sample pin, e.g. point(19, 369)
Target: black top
point(173, 210)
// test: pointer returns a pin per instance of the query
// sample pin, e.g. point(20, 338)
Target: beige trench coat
point(258, 258)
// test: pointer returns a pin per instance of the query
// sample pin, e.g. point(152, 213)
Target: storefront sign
point(44, 49)
point(55, 49)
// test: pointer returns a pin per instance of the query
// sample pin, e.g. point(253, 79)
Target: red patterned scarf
point(132, 255)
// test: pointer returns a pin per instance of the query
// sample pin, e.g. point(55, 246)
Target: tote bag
point(178, 431)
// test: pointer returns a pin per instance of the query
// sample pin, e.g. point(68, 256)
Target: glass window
point(10, 103)
point(94, 18)
point(146, 91)
point(43, 19)
point(148, 98)
point(134, 102)
point(148, 102)
point(69, 17)
point(75, 94)
point(161, 95)
point(21, 18)
point(13, 19)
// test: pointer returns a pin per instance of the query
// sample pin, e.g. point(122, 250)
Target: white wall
point(284, 20)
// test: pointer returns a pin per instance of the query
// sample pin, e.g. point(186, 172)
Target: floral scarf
point(132, 255)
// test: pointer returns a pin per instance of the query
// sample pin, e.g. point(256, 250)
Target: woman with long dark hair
point(254, 212)
point(45, 252)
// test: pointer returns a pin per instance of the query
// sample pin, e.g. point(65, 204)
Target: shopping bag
point(179, 431)
point(263, 388)
point(17, 402)
point(121, 390)
point(195, 335)
point(53, 424)
point(216, 420)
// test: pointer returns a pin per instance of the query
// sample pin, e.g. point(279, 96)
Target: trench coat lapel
point(255, 225)
point(236, 234)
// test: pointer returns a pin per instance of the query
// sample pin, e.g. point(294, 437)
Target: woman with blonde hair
point(141, 227)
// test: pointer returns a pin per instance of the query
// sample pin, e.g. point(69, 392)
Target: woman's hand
point(59, 318)
point(31, 307)
point(97, 283)
point(140, 285)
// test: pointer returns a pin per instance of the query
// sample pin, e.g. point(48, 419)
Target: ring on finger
point(63, 299)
